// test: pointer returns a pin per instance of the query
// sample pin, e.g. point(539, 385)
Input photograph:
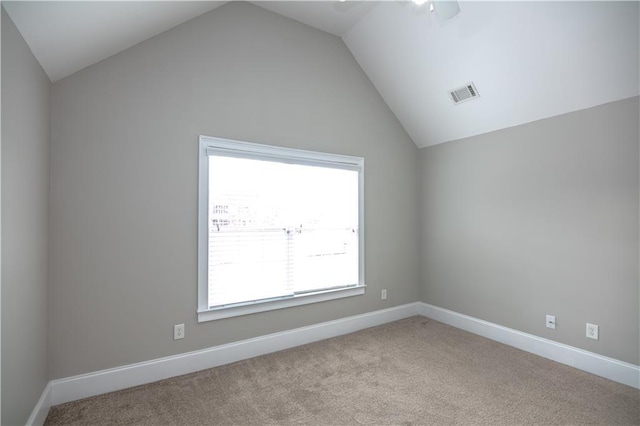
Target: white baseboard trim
point(40, 411)
point(600, 365)
point(91, 384)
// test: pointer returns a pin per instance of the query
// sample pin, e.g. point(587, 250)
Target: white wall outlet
point(592, 331)
point(178, 331)
point(383, 294)
point(551, 322)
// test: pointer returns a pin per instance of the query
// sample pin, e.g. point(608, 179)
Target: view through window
point(280, 226)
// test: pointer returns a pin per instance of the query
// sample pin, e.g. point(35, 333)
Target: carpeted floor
point(414, 371)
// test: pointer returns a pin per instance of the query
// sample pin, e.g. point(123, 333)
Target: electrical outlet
point(551, 322)
point(178, 331)
point(592, 331)
point(383, 294)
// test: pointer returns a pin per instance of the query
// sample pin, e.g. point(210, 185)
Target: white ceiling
point(331, 16)
point(67, 36)
point(529, 60)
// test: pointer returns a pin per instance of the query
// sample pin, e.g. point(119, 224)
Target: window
point(277, 227)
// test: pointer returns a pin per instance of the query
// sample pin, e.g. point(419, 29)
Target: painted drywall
point(529, 60)
point(539, 219)
point(25, 209)
point(124, 179)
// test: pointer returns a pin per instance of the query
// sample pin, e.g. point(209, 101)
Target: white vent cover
point(464, 93)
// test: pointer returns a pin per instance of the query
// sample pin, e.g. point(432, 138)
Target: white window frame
point(207, 145)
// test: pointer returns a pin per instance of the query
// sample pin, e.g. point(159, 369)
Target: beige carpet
point(414, 371)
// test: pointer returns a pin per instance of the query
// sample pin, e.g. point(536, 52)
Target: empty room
point(320, 212)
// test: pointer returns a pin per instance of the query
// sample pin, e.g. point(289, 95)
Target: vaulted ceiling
point(528, 60)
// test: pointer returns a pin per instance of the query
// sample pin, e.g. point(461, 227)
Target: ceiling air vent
point(464, 93)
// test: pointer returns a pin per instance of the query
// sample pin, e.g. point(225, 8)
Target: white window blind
point(280, 223)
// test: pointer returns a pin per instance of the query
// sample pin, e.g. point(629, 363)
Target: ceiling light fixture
point(445, 9)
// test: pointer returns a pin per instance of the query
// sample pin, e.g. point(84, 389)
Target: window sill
point(270, 305)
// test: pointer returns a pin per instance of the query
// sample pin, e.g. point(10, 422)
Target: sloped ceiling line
point(530, 60)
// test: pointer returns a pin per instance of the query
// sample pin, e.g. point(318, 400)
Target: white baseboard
point(91, 384)
point(86, 385)
point(40, 411)
point(603, 366)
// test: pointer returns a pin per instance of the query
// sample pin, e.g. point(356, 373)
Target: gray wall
point(25, 200)
point(539, 219)
point(124, 179)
